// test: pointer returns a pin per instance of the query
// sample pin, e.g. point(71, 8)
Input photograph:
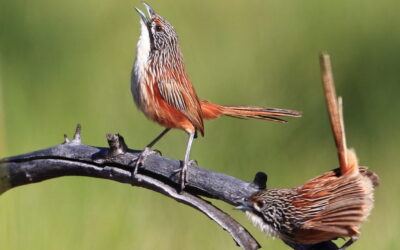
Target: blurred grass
point(69, 62)
point(2, 119)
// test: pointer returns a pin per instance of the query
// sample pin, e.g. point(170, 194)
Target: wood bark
point(160, 174)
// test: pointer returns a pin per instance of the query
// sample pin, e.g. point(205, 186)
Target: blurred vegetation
point(2, 130)
point(64, 62)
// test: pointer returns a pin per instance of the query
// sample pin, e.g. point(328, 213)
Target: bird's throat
point(143, 49)
point(140, 66)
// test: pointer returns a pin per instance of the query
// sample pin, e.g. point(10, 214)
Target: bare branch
point(72, 158)
point(115, 163)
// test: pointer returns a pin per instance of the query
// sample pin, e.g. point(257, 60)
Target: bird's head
point(156, 31)
point(252, 204)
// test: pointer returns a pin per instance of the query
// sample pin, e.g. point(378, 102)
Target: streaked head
point(160, 32)
point(252, 204)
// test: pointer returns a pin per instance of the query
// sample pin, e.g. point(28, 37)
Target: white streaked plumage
point(140, 66)
point(266, 228)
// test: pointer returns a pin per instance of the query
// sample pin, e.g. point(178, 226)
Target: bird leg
point(348, 243)
point(186, 162)
point(147, 152)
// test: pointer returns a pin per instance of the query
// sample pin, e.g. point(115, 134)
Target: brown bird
point(327, 207)
point(162, 90)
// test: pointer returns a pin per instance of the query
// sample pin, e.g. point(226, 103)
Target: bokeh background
point(64, 62)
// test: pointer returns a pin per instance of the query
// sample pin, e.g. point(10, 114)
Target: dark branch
point(158, 174)
point(115, 163)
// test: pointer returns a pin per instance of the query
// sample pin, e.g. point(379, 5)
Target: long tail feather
point(270, 114)
point(347, 158)
point(211, 111)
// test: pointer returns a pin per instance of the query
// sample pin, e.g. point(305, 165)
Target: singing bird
point(330, 206)
point(162, 90)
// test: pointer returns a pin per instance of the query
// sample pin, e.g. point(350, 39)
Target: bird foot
point(184, 179)
point(141, 159)
point(348, 243)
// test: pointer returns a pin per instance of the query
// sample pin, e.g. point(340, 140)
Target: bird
point(330, 206)
point(162, 89)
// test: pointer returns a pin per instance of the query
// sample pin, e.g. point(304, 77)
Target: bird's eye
point(260, 204)
point(158, 28)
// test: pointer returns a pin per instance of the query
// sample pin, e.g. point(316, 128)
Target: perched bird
point(162, 90)
point(327, 207)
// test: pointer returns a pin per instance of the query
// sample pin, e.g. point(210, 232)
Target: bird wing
point(334, 203)
point(172, 94)
point(181, 95)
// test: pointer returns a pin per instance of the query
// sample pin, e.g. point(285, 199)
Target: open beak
point(245, 205)
point(149, 10)
point(243, 208)
point(142, 15)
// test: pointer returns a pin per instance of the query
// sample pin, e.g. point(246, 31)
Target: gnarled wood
point(158, 174)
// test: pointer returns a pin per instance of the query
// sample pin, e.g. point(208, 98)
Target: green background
point(64, 62)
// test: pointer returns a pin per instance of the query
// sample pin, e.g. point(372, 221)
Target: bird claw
point(142, 157)
point(156, 152)
point(192, 163)
point(184, 176)
point(184, 179)
point(348, 243)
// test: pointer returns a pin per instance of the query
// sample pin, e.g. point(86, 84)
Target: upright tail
point(212, 111)
point(347, 158)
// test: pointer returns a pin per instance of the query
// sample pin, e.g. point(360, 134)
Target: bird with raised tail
point(162, 90)
point(330, 206)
